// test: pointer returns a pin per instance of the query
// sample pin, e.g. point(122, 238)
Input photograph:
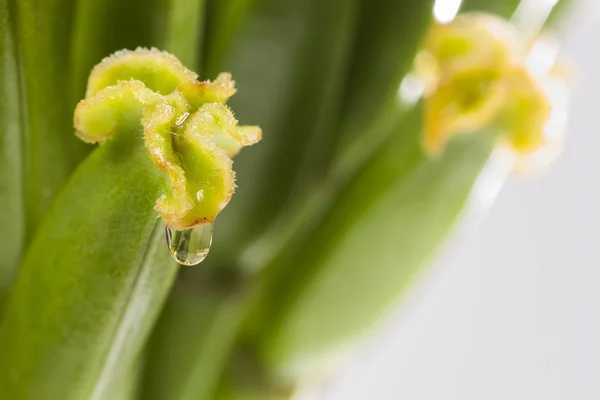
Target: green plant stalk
point(12, 212)
point(80, 309)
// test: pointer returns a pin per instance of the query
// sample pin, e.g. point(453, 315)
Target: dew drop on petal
point(182, 118)
point(189, 246)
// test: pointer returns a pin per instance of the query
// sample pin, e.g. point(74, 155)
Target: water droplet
point(200, 195)
point(182, 118)
point(189, 246)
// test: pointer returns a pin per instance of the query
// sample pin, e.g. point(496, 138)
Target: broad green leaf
point(11, 178)
point(381, 229)
point(92, 282)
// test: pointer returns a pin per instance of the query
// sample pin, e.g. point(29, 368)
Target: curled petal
point(217, 91)
point(476, 73)
point(216, 123)
point(474, 36)
point(525, 114)
point(189, 132)
point(201, 175)
point(115, 107)
point(160, 71)
point(466, 100)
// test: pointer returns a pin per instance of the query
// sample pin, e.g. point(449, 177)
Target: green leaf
point(183, 32)
point(381, 228)
point(11, 180)
point(92, 282)
point(502, 8)
point(51, 152)
point(289, 60)
point(224, 18)
point(101, 27)
point(193, 340)
point(388, 37)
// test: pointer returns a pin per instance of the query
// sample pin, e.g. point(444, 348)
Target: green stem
point(92, 282)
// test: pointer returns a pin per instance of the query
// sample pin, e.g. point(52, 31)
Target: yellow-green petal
point(188, 131)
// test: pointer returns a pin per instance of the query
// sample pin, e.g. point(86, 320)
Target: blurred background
point(512, 308)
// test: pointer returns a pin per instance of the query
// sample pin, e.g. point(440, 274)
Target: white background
point(514, 311)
